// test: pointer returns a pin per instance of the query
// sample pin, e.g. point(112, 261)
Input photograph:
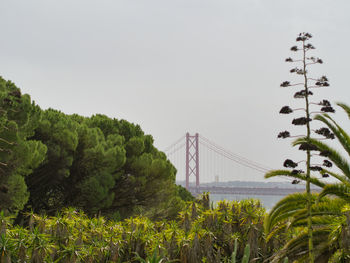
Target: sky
point(207, 66)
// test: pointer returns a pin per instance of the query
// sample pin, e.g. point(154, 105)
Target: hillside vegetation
point(200, 234)
point(103, 166)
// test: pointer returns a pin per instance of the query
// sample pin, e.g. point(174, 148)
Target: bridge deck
point(245, 190)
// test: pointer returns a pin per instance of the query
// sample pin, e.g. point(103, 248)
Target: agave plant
point(6, 248)
point(40, 245)
point(233, 258)
point(305, 60)
point(71, 253)
point(73, 237)
point(155, 258)
point(341, 188)
point(20, 239)
point(329, 216)
point(5, 221)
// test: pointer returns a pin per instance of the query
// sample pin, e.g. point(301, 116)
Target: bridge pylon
point(192, 158)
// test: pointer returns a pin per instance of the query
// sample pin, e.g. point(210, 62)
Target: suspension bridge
point(204, 166)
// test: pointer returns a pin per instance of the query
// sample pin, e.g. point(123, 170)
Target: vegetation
point(127, 207)
point(104, 166)
point(305, 144)
point(315, 225)
point(201, 234)
point(330, 215)
point(19, 154)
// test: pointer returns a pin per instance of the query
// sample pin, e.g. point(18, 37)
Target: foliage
point(19, 155)
point(330, 216)
point(94, 169)
point(306, 142)
point(200, 235)
point(246, 254)
point(50, 160)
point(184, 194)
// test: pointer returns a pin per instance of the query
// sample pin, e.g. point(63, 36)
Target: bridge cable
point(234, 157)
point(246, 164)
point(243, 159)
point(175, 149)
point(174, 143)
point(263, 170)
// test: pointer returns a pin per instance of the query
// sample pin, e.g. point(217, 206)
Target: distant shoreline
point(251, 184)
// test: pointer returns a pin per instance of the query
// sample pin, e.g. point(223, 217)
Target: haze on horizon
point(206, 66)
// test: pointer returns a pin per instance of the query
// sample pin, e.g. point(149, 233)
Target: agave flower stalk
point(308, 154)
point(305, 143)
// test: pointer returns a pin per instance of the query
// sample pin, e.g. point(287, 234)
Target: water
point(268, 201)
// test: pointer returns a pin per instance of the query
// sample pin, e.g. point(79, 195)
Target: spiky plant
point(341, 188)
point(233, 258)
point(6, 248)
point(40, 245)
point(20, 239)
point(155, 258)
point(73, 237)
point(308, 83)
point(5, 221)
point(330, 216)
point(290, 214)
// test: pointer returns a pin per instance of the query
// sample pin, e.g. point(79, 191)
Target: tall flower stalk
point(308, 83)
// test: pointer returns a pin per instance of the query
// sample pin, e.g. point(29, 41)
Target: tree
point(100, 165)
point(289, 219)
point(46, 183)
point(341, 189)
point(184, 193)
point(19, 155)
point(305, 144)
point(330, 215)
point(50, 160)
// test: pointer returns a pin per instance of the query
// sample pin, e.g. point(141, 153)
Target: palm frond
point(340, 190)
point(334, 155)
point(285, 209)
point(288, 173)
point(343, 179)
point(345, 107)
point(341, 135)
point(323, 212)
point(298, 246)
point(276, 230)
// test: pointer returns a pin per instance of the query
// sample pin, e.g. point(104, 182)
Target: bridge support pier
point(192, 158)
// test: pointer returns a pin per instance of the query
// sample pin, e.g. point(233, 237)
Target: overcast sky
point(212, 67)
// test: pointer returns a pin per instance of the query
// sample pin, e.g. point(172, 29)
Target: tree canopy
point(51, 160)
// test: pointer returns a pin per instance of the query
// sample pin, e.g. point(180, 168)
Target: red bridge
point(198, 159)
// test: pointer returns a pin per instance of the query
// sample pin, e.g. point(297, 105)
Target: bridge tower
point(192, 158)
